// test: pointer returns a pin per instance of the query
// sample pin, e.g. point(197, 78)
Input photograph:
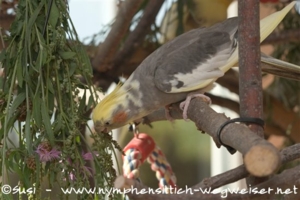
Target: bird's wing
point(195, 63)
point(207, 54)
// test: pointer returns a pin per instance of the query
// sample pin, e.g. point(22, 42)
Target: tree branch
point(237, 136)
point(286, 155)
point(282, 36)
point(290, 123)
point(6, 20)
point(123, 63)
point(108, 48)
point(137, 36)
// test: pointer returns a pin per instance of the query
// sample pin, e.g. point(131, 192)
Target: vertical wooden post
point(250, 82)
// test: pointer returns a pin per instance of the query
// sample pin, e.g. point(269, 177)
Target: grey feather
point(197, 54)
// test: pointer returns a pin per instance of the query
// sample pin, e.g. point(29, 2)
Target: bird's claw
point(167, 113)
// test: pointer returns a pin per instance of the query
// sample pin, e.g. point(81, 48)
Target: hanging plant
point(46, 99)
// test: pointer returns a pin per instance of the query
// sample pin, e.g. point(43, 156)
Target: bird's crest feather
point(104, 107)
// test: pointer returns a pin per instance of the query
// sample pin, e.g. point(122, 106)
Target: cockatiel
point(183, 68)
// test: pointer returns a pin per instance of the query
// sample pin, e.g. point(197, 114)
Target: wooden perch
point(261, 157)
point(279, 181)
point(286, 155)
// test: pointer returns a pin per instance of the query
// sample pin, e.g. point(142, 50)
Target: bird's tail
point(280, 68)
point(269, 23)
point(267, 26)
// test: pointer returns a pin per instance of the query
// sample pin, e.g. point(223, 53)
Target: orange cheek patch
point(120, 117)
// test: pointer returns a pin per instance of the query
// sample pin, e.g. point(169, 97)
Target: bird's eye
point(107, 123)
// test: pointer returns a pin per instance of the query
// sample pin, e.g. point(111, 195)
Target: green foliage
point(45, 69)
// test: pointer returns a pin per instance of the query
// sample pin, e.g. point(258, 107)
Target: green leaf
point(47, 168)
point(82, 104)
point(2, 55)
point(47, 123)
point(28, 133)
point(77, 138)
point(41, 40)
point(54, 15)
point(42, 55)
point(67, 54)
point(36, 111)
point(51, 102)
point(16, 168)
point(26, 181)
point(19, 72)
point(16, 103)
point(91, 102)
point(32, 19)
point(10, 123)
point(72, 68)
point(58, 123)
point(50, 85)
point(2, 86)
point(17, 25)
point(52, 178)
point(38, 167)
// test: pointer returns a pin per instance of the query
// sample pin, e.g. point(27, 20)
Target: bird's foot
point(167, 113)
point(185, 104)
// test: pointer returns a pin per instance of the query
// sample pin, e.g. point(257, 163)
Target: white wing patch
point(204, 74)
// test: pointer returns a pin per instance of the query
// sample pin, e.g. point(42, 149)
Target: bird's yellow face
point(111, 113)
point(109, 122)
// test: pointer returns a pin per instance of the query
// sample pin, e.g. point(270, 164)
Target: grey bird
point(181, 69)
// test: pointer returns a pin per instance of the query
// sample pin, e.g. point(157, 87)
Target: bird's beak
point(99, 128)
point(104, 130)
